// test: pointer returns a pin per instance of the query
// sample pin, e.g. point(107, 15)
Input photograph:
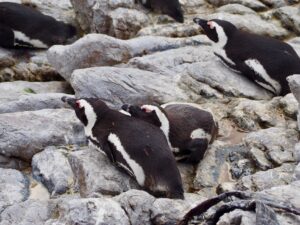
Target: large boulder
point(289, 17)
point(23, 134)
point(95, 175)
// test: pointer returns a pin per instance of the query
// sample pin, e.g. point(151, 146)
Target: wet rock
point(170, 211)
point(89, 211)
point(277, 144)
point(13, 163)
point(32, 102)
point(95, 174)
point(253, 4)
point(252, 23)
point(26, 213)
point(13, 188)
point(235, 9)
point(251, 115)
point(137, 205)
point(117, 86)
point(52, 168)
point(13, 90)
point(266, 179)
point(244, 217)
point(23, 134)
point(289, 17)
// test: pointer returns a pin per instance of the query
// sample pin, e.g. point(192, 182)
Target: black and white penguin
point(188, 128)
point(265, 60)
point(171, 8)
point(24, 26)
point(139, 148)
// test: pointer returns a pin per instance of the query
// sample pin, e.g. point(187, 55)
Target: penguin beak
point(70, 101)
point(200, 22)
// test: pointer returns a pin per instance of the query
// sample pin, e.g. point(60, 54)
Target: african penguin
point(139, 148)
point(265, 60)
point(188, 128)
point(170, 7)
point(23, 26)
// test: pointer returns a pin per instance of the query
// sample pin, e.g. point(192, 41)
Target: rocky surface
point(130, 55)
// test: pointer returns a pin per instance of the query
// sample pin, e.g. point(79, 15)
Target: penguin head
point(216, 30)
point(143, 113)
point(88, 110)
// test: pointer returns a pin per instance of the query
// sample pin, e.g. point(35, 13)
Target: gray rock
point(13, 163)
point(26, 213)
point(13, 189)
point(110, 17)
point(236, 9)
point(294, 83)
point(117, 86)
point(289, 17)
point(290, 105)
point(89, 211)
point(23, 134)
point(252, 23)
point(297, 152)
point(276, 143)
point(224, 80)
point(214, 169)
point(52, 168)
point(13, 90)
point(102, 50)
point(296, 175)
point(251, 115)
point(6, 59)
point(95, 174)
point(32, 102)
point(125, 23)
point(295, 43)
point(266, 179)
point(253, 4)
point(244, 217)
point(137, 205)
point(170, 211)
point(95, 50)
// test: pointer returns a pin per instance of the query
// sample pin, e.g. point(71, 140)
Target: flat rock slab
point(23, 134)
point(95, 174)
point(52, 168)
point(32, 102)
point(14, 187)
point(13, 90)
point(117, 86)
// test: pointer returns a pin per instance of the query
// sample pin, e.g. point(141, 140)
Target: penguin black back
point(265, 60)
point(170, 7)
point(139, 148)
point(30, 28)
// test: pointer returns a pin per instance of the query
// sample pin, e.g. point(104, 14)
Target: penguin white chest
point(134, 166)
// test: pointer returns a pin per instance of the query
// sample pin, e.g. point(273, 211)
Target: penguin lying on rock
point(24, 26)
point(139, 148)
point(265, 60)
point(188, 128)
point(170, 7)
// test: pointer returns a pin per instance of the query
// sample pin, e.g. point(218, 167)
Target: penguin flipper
point(7, 37)
point(197, 148)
